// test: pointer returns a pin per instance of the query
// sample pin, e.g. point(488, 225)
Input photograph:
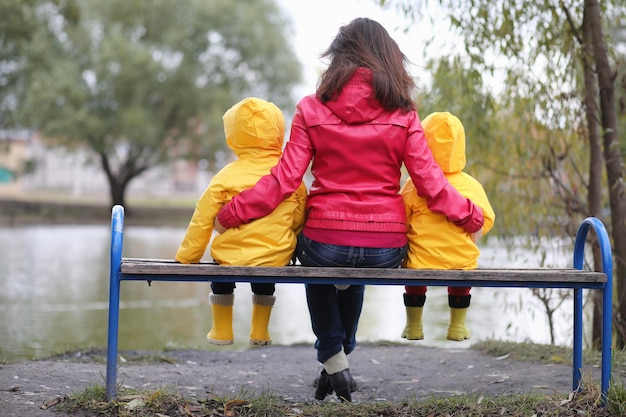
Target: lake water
point(54, 286)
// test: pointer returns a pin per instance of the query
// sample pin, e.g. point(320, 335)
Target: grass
point(585, 402)
point(532, 352)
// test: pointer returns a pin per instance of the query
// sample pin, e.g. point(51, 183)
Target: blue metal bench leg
point(577, 363)
point(607, 336)
point(607, 301)
point(117, 228)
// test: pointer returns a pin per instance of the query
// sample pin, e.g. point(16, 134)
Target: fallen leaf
point(51, 403)
point(195, 408)
point(570, 397)
point(230, 405)
point(134, 404)
point(188, 410)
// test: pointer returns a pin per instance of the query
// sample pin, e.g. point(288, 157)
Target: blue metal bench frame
point(117, 276)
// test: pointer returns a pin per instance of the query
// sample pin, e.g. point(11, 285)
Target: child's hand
point(476, 235)
point(218, 226)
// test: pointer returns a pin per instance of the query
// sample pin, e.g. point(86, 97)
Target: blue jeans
point(335, 313)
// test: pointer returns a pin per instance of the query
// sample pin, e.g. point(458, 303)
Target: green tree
point(140, 82)
point(461, 91)
point(17, 26)
point(555, 57)
point(506, 145)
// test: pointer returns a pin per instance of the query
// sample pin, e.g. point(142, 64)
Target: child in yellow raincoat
point(254, 131)
point(434, 242)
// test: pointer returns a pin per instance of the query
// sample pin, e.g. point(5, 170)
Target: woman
point(357, 131)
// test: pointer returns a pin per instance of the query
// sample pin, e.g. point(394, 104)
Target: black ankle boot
point(323, 388)
point(322, 385)
point(340, 383)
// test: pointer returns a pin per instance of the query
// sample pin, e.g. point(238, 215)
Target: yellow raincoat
point(254, 131)
point(434, 242)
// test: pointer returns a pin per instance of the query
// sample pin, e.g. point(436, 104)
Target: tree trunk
point(118, 193)
point(613, 159)
point(117, 187)
point(594, 187)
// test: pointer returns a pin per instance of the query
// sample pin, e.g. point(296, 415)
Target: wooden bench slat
point(155, 267)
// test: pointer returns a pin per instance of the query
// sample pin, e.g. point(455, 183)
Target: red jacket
point(356, 149)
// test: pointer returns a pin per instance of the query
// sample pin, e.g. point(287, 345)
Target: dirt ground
point(383, 373)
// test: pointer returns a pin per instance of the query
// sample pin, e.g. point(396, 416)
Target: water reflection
point(54, 297)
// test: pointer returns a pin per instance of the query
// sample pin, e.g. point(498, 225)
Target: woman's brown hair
point(366, 43)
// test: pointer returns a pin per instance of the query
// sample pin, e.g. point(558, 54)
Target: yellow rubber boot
point(221, 333)
point(259, 325)
point(414, 329)
point(457, 330)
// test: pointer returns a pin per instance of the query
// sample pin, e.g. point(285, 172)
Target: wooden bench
point(128, 269)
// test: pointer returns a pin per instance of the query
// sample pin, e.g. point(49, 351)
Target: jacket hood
point(254, 127)
point(356, 102)
point(446, 139)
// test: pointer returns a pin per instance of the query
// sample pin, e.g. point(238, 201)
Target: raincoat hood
point(356, 102)
point(254, 127)
point(446, 139)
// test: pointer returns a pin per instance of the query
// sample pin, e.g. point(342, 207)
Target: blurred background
point(118, 102)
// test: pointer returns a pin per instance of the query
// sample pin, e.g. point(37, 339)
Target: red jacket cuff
point(227, 217)
point(473, 222)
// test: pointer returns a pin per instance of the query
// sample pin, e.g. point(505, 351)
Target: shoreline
point(20, 212)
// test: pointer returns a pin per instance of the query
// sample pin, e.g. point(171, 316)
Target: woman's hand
point(474, 236)
point(218, 226)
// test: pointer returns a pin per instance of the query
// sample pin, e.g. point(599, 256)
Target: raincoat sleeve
point(481, 199)
point(406, 192)
point(200, 228)
point(299, 215)
point(431, 184)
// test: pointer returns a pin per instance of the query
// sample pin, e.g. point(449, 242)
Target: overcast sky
point(316, 23)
